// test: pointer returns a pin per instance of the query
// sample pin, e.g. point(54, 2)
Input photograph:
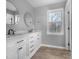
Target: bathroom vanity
point(22, 46)
point(34, 43)
point(17, 47)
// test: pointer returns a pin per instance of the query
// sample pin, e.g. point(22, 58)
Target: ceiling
point(38, 3)
point(10, 6)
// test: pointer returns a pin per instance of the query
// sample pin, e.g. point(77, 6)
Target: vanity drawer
point(31, 51)
point(31, 46)
point(31, 39)
point(31, 42)
point(32, 35)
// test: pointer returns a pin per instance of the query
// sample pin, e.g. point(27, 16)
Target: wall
point(40, 21)
point(22, 6)
point(41, 18)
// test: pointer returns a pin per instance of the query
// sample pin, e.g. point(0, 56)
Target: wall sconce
point(17, 17)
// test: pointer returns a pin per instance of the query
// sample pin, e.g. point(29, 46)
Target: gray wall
point(22, 6)
point(41, 16)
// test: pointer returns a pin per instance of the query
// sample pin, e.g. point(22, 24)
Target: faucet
point(10, 32)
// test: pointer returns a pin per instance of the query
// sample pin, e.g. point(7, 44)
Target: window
point(55, 21)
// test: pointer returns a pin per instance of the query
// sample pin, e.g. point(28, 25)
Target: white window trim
point(61, 33)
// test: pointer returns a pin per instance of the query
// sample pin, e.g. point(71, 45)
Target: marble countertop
point(17, 37)
point(19, 33)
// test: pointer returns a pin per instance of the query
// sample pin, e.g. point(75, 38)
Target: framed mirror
point(28, 20)
point(12, 14)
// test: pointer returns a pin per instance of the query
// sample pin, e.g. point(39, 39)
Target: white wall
point(41, 16)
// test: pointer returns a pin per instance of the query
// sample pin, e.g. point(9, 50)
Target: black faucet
point(10, 32)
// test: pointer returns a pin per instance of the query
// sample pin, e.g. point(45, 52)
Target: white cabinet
point(23, 47)
point(38, 39)
point(34, 43)
point(11, 51)
point(17, 47)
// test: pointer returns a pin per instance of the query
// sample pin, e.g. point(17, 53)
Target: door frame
point(68, 9)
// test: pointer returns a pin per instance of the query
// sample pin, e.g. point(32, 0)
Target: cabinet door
point(22, 48)
point(21, 53)
point(38, 39)
point(11, 51)
point(27, 47)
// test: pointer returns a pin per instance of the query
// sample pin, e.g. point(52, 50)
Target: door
point(68, 28)
point(68, 24)
point(69, 31)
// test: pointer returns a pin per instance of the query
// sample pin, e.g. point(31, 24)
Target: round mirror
point(28, 21)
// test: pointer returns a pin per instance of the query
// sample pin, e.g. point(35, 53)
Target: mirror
point(12, 14)
point(28, 21)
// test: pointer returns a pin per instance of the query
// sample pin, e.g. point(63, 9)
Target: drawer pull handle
point(20, 41)
point(20, 48)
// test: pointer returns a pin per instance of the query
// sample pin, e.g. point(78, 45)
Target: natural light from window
point(55, 21)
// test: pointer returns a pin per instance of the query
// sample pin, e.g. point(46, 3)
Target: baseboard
point(51, 46)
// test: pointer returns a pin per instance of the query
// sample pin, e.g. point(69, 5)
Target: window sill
point(48, 33)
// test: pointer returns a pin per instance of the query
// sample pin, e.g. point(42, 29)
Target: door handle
point(68, 28)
